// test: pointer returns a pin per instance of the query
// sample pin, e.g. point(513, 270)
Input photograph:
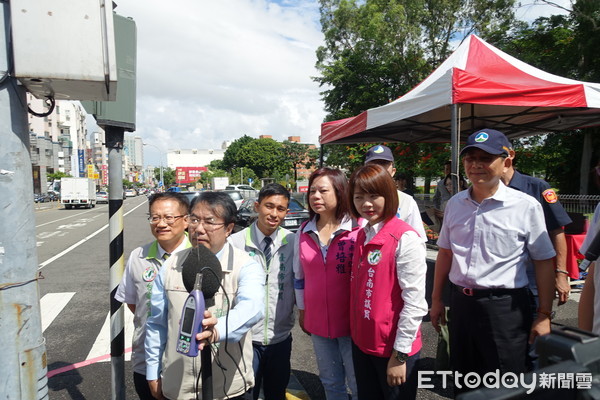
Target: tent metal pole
point(454, 144)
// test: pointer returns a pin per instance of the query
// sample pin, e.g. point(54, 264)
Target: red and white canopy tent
point(477, 87)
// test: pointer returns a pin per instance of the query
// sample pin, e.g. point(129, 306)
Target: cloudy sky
point(210, 71)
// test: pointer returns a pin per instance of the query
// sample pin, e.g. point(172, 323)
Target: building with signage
point(194, 157)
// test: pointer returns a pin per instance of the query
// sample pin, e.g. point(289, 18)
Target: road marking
point(46, 235)
point(60, 219)
point(51, 305)
point(85, 239)
point(101, 346)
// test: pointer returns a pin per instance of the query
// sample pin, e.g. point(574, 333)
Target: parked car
point(189, 195)
point(246, 190)
point(101, 197)
point(239, 187)
point(53, 195)
point(41, 198)
point(292, 221)
point(236, 196)
point(130, 193)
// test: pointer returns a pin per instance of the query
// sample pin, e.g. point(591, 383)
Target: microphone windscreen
point(201, 260)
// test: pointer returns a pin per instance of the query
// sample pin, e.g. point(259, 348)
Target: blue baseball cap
point(379, 152)
point(489, 140)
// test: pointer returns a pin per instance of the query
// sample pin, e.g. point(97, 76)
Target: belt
point(486, 292)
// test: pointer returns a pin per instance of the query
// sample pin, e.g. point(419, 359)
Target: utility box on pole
point(65, 49)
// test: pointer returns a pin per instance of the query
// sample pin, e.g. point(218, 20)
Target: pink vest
point(327, 284)
point(375, 295)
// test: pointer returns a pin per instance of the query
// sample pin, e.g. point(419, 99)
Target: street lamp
point(162, 182)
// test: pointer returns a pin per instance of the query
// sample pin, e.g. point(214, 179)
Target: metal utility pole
point(22, 348)
point(114, 142)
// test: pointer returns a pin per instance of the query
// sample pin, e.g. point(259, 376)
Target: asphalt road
point(73, 258)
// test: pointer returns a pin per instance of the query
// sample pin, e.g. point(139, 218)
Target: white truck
point(219, 182)
point(77, 192)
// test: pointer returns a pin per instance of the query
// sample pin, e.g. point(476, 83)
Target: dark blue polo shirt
point(554, 213)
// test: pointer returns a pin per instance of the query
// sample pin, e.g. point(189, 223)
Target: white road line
point(51, 305)
point(85, 239)
point(60, 219)
point(102, 344)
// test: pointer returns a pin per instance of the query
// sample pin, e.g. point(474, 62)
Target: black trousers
point(371, 377)
point(489, 332)
point(141, 387)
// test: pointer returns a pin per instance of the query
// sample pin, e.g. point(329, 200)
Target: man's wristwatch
point(401, 357)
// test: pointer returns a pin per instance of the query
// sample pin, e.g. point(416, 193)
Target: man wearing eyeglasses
point(273, 247)
point(168, 224)
point(238, 306)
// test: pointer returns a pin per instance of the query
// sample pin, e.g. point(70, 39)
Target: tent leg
point(454, 144)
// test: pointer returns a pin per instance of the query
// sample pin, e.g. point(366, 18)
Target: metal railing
point(579, 203)
point(573, 203)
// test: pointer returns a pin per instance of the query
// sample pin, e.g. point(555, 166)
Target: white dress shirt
point(492, 241)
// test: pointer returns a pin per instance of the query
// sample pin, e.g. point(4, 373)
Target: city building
point(194, 157)
point(57, 141)
point(133, 153)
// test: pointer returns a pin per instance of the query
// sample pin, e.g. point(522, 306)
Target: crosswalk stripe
point(51, 305)
point(102, 344)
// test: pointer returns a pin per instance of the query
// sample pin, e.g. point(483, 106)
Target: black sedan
point(246, 215)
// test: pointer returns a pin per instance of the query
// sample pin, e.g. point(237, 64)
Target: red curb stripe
point(70, 367)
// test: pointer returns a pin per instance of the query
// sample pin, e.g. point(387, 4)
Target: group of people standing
point(356, 273)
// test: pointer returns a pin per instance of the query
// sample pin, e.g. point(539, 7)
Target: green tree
point(55, 176)
point(566, 46)
point(375, 51)
point(240, 176)
point(215, 164)
point(263, 156)
point(231, 158)
point(298, 155)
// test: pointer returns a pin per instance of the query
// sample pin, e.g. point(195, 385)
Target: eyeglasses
point(208, 224)
point(169, 219)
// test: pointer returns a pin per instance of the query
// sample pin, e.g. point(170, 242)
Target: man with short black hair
point(408, 210)
point(168, 223)
point(273, 247)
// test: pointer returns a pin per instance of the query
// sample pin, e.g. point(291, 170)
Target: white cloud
point(213, 71)
point(532, 9)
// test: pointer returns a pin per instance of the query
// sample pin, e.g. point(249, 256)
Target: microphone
point(592, 253)
point(202, 260)
point(200, 264)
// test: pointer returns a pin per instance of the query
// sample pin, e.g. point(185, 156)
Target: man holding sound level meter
point(237, 307)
